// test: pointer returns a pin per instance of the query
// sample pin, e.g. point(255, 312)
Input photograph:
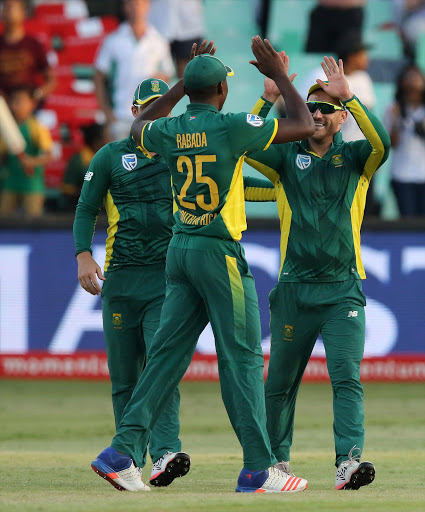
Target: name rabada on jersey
point(191, 140)
point(202, 220)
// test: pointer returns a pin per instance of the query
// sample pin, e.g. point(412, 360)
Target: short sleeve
point(104, 58)
point(249, 132)
point(151, 137)
point(45, 141)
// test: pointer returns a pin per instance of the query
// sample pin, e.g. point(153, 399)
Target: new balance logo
point(88, 176)
point(352, 314)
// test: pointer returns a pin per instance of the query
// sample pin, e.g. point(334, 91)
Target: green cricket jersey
point(137, 194)
point(321, 200)
point(136, 191)
point(204, 150)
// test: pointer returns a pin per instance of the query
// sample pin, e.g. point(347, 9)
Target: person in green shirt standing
point(136, 192)
point(321, 184)
point(208, 277)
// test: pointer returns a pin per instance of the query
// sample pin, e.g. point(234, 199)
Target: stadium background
point(49, 327)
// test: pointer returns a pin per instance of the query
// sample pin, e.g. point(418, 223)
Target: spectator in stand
point(94, 138)
point(405, 122)
point(409, 16)
point(182, 24)
point(134, 52)
point(25, 179)
point(331, 22)
point(23, 61)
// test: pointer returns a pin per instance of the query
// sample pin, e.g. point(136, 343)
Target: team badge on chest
point(337, 160)
point(129, 162)
point(303, 161)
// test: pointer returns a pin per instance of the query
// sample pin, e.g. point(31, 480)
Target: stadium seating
point(72, 40)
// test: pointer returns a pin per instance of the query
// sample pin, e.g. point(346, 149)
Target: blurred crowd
point(68, 72)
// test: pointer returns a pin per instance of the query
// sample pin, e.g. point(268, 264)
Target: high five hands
point(337, 85)
point(269, 62)
point(206, 47)
point(271, 90)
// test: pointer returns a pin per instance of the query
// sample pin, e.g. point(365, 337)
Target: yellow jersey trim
point(313, 153)
point(233, 212)
point(175, 206)
point(273, 134)
point(113, 218)
point(260, 194)
point(238, 294)
point(258, 106)
point(357, 212)
point(366, 126)
point(285, 217)
point(142, 147)
point(265, 170)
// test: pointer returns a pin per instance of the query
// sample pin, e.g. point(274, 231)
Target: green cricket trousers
point(132, 299)
point(207, 279)
point(299, 312)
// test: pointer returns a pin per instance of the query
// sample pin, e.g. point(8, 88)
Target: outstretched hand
point(206, 47)
point(269, 61)
point(271, 90)
point(337, 85)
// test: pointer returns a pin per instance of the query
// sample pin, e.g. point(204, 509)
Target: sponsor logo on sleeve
point(129, 162)
point(88, 176)
point(254, 120)
point(303, 161)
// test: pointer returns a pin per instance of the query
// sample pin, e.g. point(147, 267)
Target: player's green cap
point(205, 70)
point(149, 89)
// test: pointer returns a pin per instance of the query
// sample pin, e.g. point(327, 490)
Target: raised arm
point(299, 124)
point(373, 151)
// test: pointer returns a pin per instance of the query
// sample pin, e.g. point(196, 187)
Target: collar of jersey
point(201, 106)
point(337, 142)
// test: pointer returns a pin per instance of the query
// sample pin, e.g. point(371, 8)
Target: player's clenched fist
point(269, 61)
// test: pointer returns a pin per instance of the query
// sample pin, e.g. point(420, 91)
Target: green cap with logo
point(205, 70)
point(149, 89)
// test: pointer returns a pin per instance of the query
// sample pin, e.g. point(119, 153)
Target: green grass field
point(50, 432)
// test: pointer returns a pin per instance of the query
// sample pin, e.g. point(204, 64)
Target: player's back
point(203, 149)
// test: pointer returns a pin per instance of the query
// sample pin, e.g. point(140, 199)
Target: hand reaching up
point(337, 86)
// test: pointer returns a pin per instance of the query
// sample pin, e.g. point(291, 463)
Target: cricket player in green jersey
point(321, 185)
point(207, 275)
point(136, 192)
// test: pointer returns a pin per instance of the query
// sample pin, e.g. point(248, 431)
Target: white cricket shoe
point(269, 480)
point(168, 467)
point(119, 470)
point(352, 474)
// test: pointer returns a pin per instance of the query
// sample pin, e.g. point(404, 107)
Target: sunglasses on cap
point(323, 106)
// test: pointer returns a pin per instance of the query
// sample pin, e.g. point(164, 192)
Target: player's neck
point(14, 33)
point(215, 102)
point(139, 28)
point(320, 147)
